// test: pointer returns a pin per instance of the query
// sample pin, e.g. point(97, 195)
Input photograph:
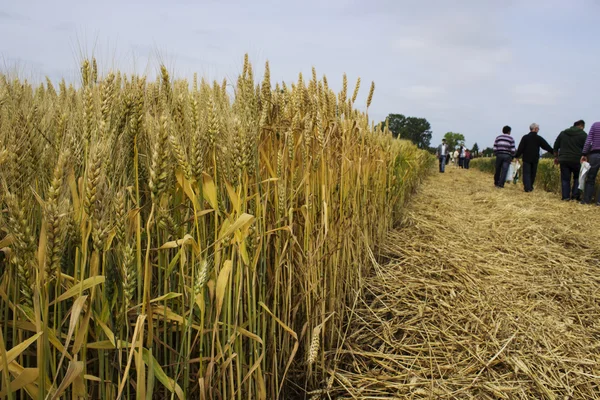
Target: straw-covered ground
point(483, 293)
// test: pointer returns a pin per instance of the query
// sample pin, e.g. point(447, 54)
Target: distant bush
point(485, 164)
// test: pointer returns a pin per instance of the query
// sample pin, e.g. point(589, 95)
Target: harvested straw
point(488, 294)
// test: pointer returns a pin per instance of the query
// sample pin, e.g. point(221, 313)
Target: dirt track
point(483, 293)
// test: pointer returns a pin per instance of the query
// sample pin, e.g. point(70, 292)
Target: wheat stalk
point(206, 281)
point(356, 88)
point(371, 91)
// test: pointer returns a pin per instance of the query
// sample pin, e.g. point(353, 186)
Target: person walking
point(569, 147)
point(504, 150)
point(529, 149)
point(468, 157)
point(591, 154)
point(442, 154)
point(461, 156)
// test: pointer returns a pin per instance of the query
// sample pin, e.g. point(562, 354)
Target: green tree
point(453, 139)
point(417, 130)
point(475, 150)
point(488, 152)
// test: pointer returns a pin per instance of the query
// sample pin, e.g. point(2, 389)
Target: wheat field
point(190, 240)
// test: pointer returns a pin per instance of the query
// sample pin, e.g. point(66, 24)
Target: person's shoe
point(567, 199)
point(583, 202)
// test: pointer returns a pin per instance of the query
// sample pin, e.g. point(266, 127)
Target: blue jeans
point(442, 163)
point(502, 165)
point(590, 179)
point(568, 169)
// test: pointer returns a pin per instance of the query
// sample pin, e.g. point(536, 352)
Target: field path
point(483, 293)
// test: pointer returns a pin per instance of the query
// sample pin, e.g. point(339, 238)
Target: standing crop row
point(186, 240)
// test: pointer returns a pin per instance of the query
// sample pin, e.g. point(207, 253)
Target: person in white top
point(461, 156)
point(442, 154)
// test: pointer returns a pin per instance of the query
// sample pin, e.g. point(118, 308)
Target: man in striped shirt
point(504, 150)
point(591, 154)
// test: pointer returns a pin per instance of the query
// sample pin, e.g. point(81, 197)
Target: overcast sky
point(468, 66)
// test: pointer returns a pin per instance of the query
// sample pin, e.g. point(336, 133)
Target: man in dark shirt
point(529, 148)
point(569, 146)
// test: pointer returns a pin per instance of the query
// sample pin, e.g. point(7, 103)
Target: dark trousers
point(442, 163)
point(568, 170)
point(502, 165)
point(529, 173)
point(461, 162)
point(590, 178)
point(467, 160)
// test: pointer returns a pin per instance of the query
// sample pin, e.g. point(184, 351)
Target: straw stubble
point(485, 294)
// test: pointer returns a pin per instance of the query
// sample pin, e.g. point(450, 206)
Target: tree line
point(418, 131)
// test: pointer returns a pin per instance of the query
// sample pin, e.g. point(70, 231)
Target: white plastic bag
point(510, 175)
point(516, 173)
point(585, 167)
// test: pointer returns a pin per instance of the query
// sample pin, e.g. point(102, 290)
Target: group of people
point(572, 149)
point(445, 155)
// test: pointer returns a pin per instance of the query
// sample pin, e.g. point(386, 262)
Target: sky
point(467, 66)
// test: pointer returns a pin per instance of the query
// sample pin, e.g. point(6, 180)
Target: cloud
point(457, 46)
point(468, 66)
point(66, 26)
point(409, 43)
point(20, 65)
point(538, 94)
point(5, 16)
point(424, 92)
point(203, 32)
